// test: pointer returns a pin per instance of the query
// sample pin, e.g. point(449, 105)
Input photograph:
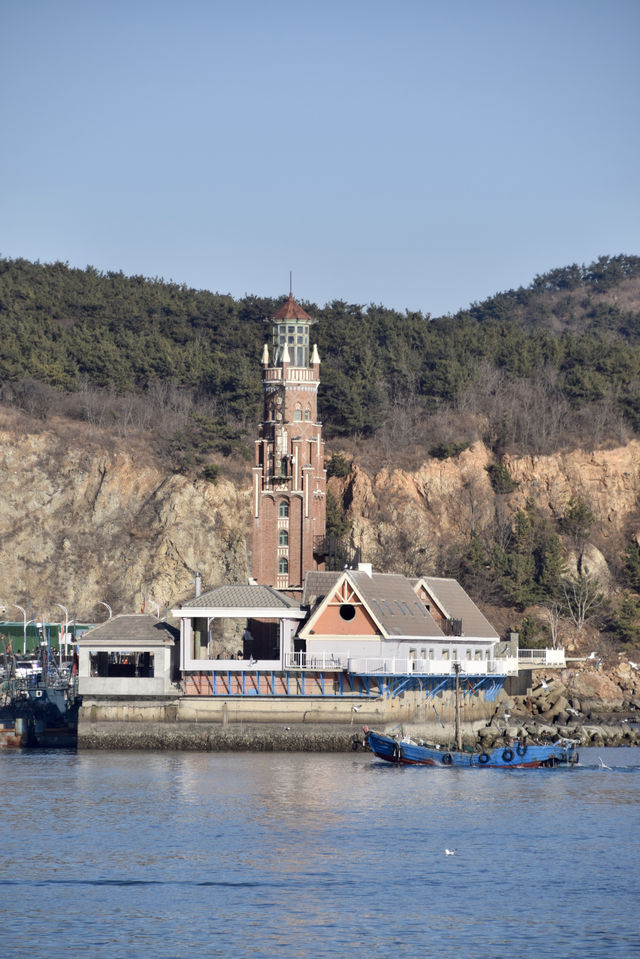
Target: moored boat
point(403, 750)
point(521, 755)
point(38, 708)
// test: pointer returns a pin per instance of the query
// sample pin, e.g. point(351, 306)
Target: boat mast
point(458, 729)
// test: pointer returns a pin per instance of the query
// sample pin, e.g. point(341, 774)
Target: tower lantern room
point(292, 331)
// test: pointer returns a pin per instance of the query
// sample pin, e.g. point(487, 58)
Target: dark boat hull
point(39, 716)
point(520, 756)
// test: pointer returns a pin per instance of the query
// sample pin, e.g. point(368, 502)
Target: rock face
point(81, 525)
point(443, 499)
point(85, 519)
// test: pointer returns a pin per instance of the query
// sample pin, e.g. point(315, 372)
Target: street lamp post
point(100, 603)
point(24, 629)
point(66, 629)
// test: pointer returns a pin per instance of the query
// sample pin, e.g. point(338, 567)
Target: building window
point(283, 538)
point(297, 415)
point(283, 566)
point(120, 664)
point(347, 612)
point(283, 509)
point(307, 415)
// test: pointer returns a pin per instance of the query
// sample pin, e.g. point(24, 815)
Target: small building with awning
point(132, 654)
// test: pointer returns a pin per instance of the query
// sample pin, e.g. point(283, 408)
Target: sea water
point(157, 855)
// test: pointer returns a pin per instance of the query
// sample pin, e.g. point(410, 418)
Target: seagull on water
point(449, 852)
point(603, 765)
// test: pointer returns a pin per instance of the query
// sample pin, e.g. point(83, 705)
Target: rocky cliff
point(443, 499)
point(85, 518)
point(83, 522)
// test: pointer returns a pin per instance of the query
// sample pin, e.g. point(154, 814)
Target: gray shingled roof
point(131, 629)
point(393, 601)
point(316, 587)
point(457, 604)
point(245, 596)
point(389, 596)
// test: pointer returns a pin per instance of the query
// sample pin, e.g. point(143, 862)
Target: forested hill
point(530, 369)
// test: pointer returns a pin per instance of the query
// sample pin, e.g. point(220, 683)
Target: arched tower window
point(283, 538)
point(283, 566)
point(283, 509)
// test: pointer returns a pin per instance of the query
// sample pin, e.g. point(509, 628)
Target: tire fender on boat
point(447, 759)
point(507, 755)
point(483, 758)
point(521, 749)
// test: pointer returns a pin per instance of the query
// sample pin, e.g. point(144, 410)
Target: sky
point(418, 154)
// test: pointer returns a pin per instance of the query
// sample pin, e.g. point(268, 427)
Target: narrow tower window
point(283, 509)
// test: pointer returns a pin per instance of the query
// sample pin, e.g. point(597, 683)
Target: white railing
point(400, 667)
point(541, 657)
point(433, 667)
point(315, 661)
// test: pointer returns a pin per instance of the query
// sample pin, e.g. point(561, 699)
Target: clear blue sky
point(415, 153)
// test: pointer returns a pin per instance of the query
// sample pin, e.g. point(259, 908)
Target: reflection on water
point(183, 854)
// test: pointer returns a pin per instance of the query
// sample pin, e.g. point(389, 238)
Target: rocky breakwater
point(596, 708)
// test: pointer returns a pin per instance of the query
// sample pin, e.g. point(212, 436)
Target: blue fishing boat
point(521, 755)
point(511, 755)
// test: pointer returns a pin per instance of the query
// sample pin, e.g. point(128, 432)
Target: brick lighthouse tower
point(289, 479)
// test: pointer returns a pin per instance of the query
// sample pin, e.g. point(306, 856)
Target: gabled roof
point(388, 597)
point(239, 600)
point(449, 596)
point(290, 310)
point(393, 602)
point(130, 630)
point(241, 594)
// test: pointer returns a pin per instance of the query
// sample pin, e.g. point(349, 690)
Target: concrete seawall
point(314, 725)
point(213, 737)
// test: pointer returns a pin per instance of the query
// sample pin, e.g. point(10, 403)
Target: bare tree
point(553, 611)
point(583, 596)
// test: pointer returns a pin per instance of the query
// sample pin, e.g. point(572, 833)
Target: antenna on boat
point(456, 669)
